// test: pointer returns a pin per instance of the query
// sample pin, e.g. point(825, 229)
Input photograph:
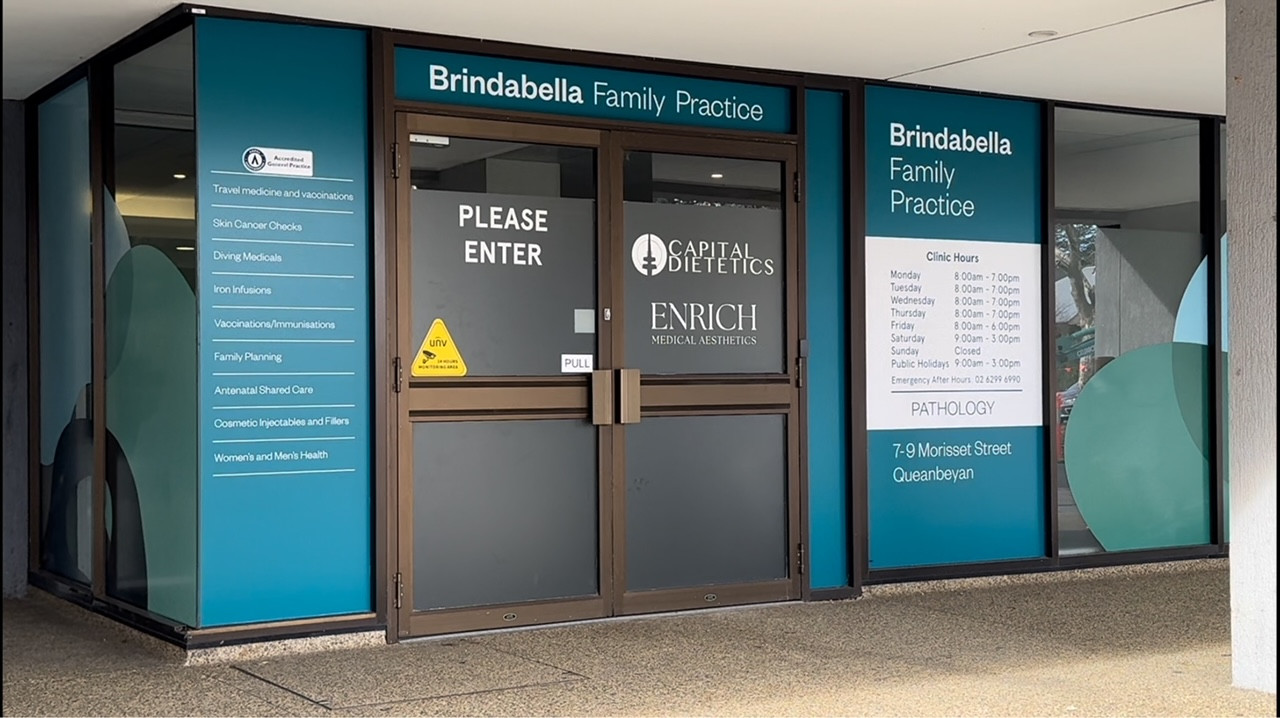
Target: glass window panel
point(152, 464)
point(1223, 288)
point(65, 331)
point(504, 252)
point(706, 501)
point(1131, 316)
point(504, 511)
point(704, 243)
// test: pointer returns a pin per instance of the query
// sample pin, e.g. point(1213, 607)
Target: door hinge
point(395, 160)
point(399, 589)
point(397, 374)
point(795, 185)
point(799, 559)
point(802, 360)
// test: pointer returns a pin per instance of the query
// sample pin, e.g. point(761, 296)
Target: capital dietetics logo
point(255, 160)
point(649, 254)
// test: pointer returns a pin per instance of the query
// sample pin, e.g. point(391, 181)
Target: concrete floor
point(1149, 641)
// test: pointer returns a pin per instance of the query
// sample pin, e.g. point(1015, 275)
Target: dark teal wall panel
point(826, 195)
point(286, 491)
point(955, 466)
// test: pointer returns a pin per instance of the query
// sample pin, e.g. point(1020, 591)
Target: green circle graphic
point(1138, 475)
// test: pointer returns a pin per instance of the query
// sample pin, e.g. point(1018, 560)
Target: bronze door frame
point(598, 398)
point(711, 394)
point(567, 396)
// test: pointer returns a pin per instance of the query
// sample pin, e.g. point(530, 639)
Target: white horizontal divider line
point(282, 241)
point(292, 309)
point(271, 441)
point(279, 176)
point(956, 391)
point(286, 341)
point(284, 373)
point(230, 407)
point(280, 274)
point(284, 473)
point(283, 209)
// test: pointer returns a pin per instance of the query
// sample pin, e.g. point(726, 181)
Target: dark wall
point(13, 263)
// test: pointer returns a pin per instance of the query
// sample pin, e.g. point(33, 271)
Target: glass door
point(598, 399)
point(706, 490)
point(504, 408)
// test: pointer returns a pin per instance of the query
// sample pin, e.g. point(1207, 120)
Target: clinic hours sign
point(953, 327)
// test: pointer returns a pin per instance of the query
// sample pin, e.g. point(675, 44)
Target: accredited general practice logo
point(649, 254)
point(275, 161)
point(255, 160)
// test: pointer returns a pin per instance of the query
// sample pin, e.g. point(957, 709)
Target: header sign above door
point(543, 87)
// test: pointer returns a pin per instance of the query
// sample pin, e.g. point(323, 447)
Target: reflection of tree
point(1075, 245)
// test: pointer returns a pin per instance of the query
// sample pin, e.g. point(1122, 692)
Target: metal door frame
point(712, 394)
point(596, 397)
point(569, 396)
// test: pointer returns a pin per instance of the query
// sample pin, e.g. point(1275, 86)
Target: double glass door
point(597, 335)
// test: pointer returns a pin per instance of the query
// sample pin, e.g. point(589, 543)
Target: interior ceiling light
point(179, 175)
point(716, 175)
point(1042, 33)
point(185, 248)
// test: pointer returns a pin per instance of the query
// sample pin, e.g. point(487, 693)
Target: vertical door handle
point(602, 397)
point(628, 396)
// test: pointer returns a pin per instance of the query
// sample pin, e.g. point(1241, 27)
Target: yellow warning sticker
point(439, 356)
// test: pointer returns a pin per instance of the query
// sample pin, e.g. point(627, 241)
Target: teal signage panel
point(580, 91)
point(952, 166)
point(956, 443)
point(286, 495)
point(826, 235)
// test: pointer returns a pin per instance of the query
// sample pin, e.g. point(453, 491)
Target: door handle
point(628, 396)
point(602, 397)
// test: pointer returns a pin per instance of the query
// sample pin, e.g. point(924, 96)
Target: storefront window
point(1132, 307)
point(151, 333)
point(65, 335)
point(707, 242)
point(549, 262)
point(1223, 288)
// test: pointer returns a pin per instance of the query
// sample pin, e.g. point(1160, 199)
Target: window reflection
point(703, 279)
point(66, 350)
point(702, 181)
point(1131, 306)
point(154, 172)
point(150, 392)
point(461, 164)
point(503, 254)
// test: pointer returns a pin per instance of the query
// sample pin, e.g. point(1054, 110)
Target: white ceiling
point(1160, 54)
point(1078, 131)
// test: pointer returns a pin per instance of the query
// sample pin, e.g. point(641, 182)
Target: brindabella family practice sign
point(583, 91)
point(954, 401)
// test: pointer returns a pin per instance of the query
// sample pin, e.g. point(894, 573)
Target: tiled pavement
point(1149, 641)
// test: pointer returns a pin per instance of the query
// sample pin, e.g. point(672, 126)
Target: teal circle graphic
point(1189, 367)
point(1138, 475)
point(1191, 324)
